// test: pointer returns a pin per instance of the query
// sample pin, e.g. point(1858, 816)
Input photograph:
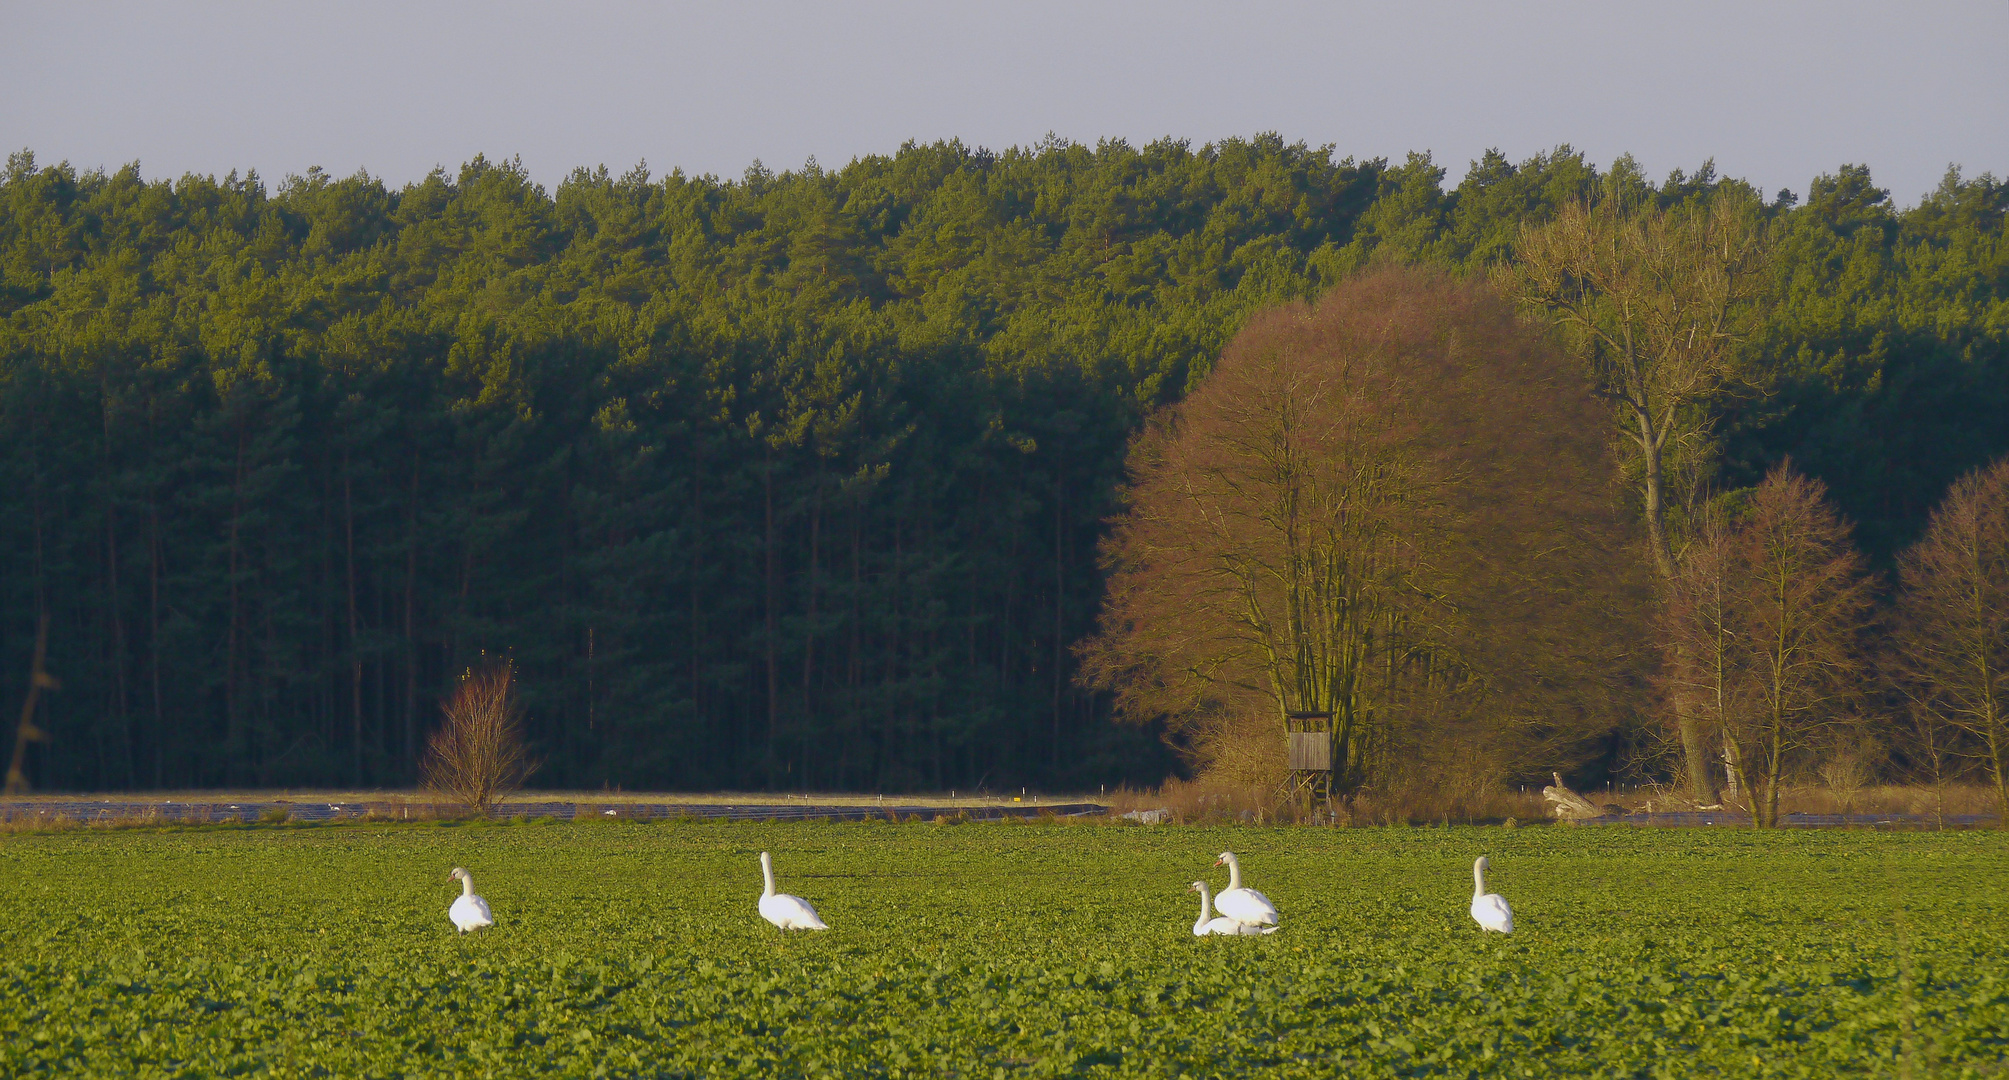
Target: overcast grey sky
point(1775, 92)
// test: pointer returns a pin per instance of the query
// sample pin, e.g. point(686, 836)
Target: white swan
point(781, 909)
point(1210, 923)
point(470, 912)
point(1490, 910)
point(1243, 905)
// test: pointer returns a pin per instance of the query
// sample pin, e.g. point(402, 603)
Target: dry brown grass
point(1209, 800)
point(1420, 805)
point(1212, 800)
point(1875, 799)
point(1809, 796)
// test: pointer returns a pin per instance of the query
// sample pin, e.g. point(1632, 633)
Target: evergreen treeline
point(792, 481)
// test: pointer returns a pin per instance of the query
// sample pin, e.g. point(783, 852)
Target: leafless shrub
point(478, 755)
point(1241, 750)
point(1847, 770)
point(1929, 747)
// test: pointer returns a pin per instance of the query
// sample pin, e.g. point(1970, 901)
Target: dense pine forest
point(791, 481)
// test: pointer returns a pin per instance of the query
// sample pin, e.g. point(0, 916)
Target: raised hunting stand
point(1310, 735)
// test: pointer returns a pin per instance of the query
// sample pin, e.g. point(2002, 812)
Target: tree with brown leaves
point(478, 755)
point(1390, 506)
point(1952, 642)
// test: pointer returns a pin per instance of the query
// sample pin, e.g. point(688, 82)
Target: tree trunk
point(230, 718)
point(1992, 721)
point(1059, 590)
point(692, 568)
point(1736, 788)
point(411, 617)
point(854, 663)
point(895, 725)
point(1656, 501)
point(153, 639)
point(809, 633)
point(1765, 814)
point(1695, 756)
point(355, 642)
point(1995, 763)
point(773, 672)
point(1694, 742)
point(118, 627)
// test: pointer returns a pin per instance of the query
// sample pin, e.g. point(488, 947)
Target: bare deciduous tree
point(478, 755)
point(1930, 746)
point(1803, 611)
point(1953, 621)
point(1708, 651)
point(1389, 502)
point(1763, 619)
point(1651, 299)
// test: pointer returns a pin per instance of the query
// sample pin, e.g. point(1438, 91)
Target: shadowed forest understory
point(793, 481)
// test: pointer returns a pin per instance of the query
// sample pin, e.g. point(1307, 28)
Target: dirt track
point(198, 809)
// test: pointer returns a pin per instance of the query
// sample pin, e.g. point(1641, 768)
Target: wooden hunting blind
point(1310, 735)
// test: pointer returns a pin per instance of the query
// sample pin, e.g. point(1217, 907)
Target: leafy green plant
point(1038, 950)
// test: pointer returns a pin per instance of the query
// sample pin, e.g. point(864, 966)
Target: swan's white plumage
point(781, 909)
point(1489, 910)
point(1241, 904)
point(1210, 923)
point(469, 912)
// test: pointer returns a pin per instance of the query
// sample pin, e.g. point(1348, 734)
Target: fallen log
point(1566, 805)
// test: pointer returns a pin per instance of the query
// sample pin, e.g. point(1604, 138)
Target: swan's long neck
point(1234, 872)
point(766, 874)
point(1206, 906)
point(1479, 879)
point(467, 884)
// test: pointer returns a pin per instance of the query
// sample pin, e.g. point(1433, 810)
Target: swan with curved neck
point(781, 909)
point(1489, 910)
point(1244, 905)
point(469, 912)
point(1210, 923)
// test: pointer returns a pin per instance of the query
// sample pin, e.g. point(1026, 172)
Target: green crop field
point(1000, 950)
